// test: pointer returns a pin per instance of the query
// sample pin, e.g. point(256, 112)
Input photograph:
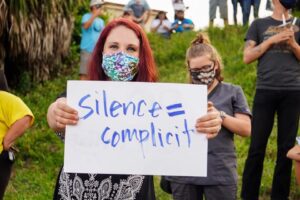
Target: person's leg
point(224, 192)
point(264, 107)
point(223, 11)
point(256, 8)
point(84, 63)
point(288, 120)
point(186, 191)
point(234, 5)
point(212, 11)
point(246, 11)
point(5, 172)
point(241, 2)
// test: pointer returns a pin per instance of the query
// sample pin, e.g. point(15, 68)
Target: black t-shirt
point(278, 68)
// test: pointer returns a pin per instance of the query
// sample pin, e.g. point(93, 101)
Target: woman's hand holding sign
point(210, 123)
point(60, 114)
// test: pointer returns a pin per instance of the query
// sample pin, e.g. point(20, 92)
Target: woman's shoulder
point(263, 20)
point(8, 97)
point(231, 89)
point(230, 86)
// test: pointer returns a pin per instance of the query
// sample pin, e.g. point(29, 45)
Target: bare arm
point(240, 124)
point(95, 14)
point(293, 153)
point(293, 44)
point(154, 28)
point(191, 26)
point(16, 130)
point(146, 16)
point(252, 51)
point(60, 114)
point(296, 50)
point(87, 24)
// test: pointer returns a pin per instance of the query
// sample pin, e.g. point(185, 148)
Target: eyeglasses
point(203, 68)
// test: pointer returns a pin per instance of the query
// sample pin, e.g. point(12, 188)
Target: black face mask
point(288, 4)
point(205, 77)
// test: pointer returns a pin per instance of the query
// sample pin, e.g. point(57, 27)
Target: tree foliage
point(35, 35)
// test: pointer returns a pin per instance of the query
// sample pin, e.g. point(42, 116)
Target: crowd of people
point(272, 41)
point(245, 6)
point(137, 11)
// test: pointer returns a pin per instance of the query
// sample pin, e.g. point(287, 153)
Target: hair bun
point(201, 38)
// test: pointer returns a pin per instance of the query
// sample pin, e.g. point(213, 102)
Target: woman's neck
point(213, 85)
point(278, 14)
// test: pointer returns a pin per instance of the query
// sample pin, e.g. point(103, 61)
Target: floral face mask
point(120, 66)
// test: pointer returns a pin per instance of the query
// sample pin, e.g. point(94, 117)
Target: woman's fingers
point(209, 116)
point(209, 130)
point(64, 114)
point(60, 125)
point(211, 123)
point(62, 105)
point(212, 135)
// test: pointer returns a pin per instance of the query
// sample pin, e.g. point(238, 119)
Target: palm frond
point(3, 16)
point(39, 33)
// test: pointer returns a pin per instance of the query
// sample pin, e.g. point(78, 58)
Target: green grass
point(41, 152)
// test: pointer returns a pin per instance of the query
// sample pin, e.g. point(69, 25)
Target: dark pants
point(266, 103)
point(197, 192)
point(235, 7)
point(247, 8)
point(5, 171)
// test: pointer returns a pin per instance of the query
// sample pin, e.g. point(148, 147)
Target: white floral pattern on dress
point(92, 189)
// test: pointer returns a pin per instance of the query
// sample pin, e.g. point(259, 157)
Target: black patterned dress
point(71, 186)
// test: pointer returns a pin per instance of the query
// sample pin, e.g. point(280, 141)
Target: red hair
point(147, 71)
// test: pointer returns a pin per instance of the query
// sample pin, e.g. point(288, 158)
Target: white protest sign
point(136, 128)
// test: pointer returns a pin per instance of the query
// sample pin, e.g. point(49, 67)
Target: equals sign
point(175, 109)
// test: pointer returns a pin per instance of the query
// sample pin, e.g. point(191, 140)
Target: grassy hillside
point(41, 152)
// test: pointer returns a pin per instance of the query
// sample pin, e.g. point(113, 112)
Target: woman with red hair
point(146, 66)
point(122, 53)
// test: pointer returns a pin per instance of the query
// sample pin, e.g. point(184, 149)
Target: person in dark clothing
point(274, 42)
point(235, 7)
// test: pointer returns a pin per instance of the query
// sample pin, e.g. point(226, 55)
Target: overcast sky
point(198, 10)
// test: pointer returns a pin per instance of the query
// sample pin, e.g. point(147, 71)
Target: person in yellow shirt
point(15, 118)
